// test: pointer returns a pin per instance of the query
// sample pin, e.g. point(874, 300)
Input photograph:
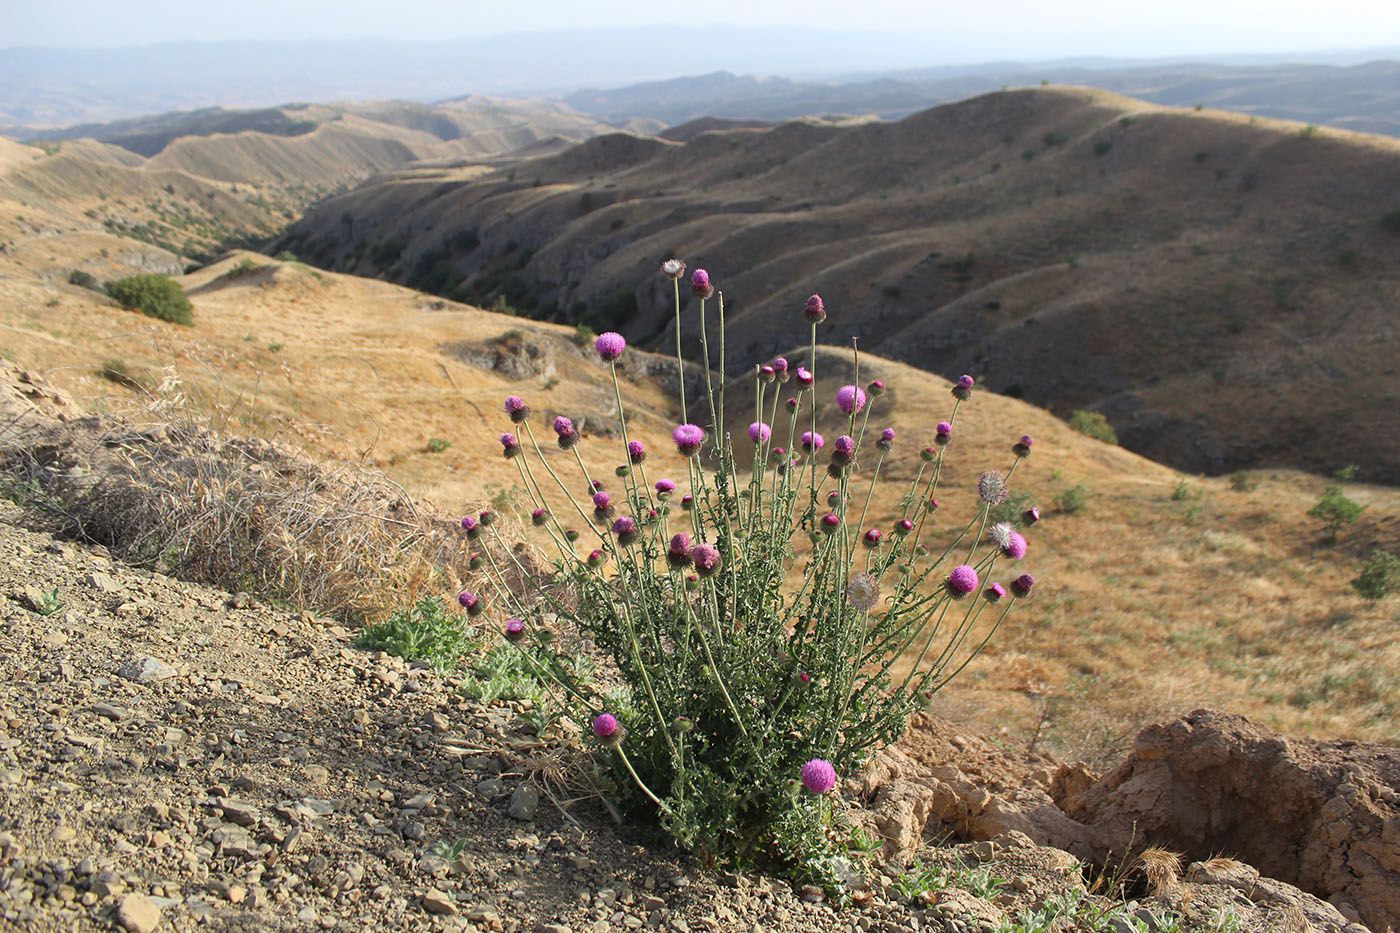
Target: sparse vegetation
point(1379, 577)
point(154, 295)
point(1336, 511)
point(1094, 424)
point(437, 445)
point(426, 631)
point(1073, 499)
point(1242, 481)
point(85, 280)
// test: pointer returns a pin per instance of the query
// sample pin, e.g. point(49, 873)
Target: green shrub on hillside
point(157, 296)
point(1379, 577)
point(1336, 511)
point(1094, 424)
point(85, 280)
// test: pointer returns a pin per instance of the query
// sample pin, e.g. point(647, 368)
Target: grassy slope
point(1171, 268)
point(1148, 605)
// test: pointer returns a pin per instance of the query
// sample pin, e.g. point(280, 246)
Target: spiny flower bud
point(876, 389)
point(942, 433)
point(1021, 586)
point(539, 516)
point(780, 366)
point(791, 404)
point(815, 312)
point(687, 502)
point(886, 440)
point(664, 489)
point(700, 285)
point(928, 454)
point(622, 470)
point(474, 562)
point(517, 409)
point(767, 374)
point(636, 453)
point(804, 376)
point(871, 538)
point(487, 517)
point(470, 602)
point(1031, 515)
point(681, 725)
point(963, 389)
point(1022, 448)
point(596, 558)
point(830, 522)
point(903, 527)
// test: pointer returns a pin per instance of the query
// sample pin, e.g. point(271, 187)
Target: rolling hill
point(1221, 287)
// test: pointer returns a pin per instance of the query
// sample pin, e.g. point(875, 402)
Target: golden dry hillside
point(1160, 594)
point(1221, 287)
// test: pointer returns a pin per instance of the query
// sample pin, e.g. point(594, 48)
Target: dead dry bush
point(171, 493)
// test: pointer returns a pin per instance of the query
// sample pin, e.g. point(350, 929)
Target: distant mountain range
point(852, 70)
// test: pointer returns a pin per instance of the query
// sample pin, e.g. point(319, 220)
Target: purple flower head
point(815, 312)
point(1022, 448)
point(780, 366)
point(510, 444)
point(1015, 547)
point(994, 593)
point(805, 677)
point(818, 776)
point(596, 558)
point(965, 381)
point(871, 538)
point(563, 426)
point(664, 489)
point(1021, 586)
point(811, 442)
point(539, 517)
point(517, 409)
point(673, 268)
point(689, 438)
point(843, 449)
point(707, 560)
point(942, 433)
point(471, 526)
point(700, 285)
point(830, 522)
point(876, 389)
point(962, 580)
point(610, 346)
point(602, 500)
point(470, 602)
point(767, 373)
point(608, 730)
point(636, 453)
point(515, 630)
point(1031, 515)
point(804, 376)
point(850, 399)
point(886, 440)
point(759, 432)
point(903, 527)
point(678, 552)
point(626, 530)
point(963, 390)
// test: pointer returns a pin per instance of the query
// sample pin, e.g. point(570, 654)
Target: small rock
point(137, 914)
point(525, 802)
point(543, 927)
point(436, 902)
point(101, 582)
point(147, 670)
point(111, 711)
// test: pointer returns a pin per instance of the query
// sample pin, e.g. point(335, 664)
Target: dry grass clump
point(177, 495)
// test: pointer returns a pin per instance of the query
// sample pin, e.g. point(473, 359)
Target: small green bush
point(1379, 577)
point(85, 280)
point(424, 632)
point(1073, 499)
point(286, 256)
point(1242, 481)
point(584, 336)
point(1336, 511)
point(438, 444)
point(1094, 424)
point(154, 295)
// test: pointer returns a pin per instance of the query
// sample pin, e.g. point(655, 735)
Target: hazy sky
point(1007, 28)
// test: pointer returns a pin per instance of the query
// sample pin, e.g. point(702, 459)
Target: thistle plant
point(766, 639)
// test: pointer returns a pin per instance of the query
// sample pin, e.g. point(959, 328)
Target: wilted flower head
point(991, 488)
point(1005, 536)
point(962, 580)
point(706, 557)
point(510, 444)
point(689, 438)
point(863, 592)
point(664, 489)
point(812, 441)
point(815, 312)
point(517, 409)
point(818, 776)
point(673, 268)
point(1021, 586)
point(636, 453)
point(759, 432)
point(678, 553)
point(515, 629)
point(610, 346)
point(700, 285)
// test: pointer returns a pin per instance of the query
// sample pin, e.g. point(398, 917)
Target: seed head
point(815, 312)
point(673, 268)
point(515, 630)
point(818, 776)
point(517, 409)
point(664, 489)
point(1021, 586)
point(700, 285)
point(991, 488)
point(511, 446)
point(863, 592)
point(962, 581)
point(759, 432)
point(689, 438)
point(610, 346)
point(706, 558)
point(850, 399)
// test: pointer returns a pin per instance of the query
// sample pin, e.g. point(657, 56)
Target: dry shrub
point(175, 495)
point(1162, 868)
